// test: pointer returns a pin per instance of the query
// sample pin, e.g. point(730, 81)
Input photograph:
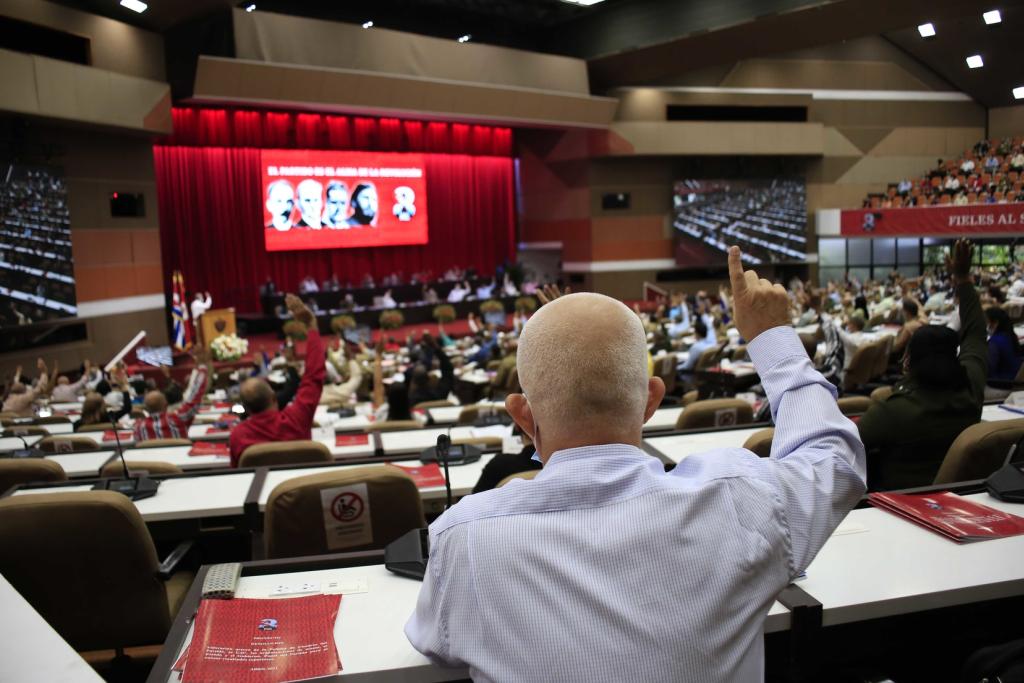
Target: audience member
point(161, 422)
point(21, 399)
point(1004, 352)
point(65, 391)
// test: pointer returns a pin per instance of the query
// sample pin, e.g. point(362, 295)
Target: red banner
point(934, 220)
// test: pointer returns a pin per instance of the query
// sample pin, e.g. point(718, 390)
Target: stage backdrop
point(209, 183)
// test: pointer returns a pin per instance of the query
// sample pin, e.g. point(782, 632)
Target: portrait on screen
point(364, 205)
point(280, 202)
point(336, 206)
point(310, 204)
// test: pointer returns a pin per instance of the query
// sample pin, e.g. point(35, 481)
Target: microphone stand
point(444, 442)
point(27, 451)
point(135, 488)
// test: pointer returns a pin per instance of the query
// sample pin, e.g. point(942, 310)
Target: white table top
point(73, 406)
point(198, 433)
point(901, 567)
point(680, 446)
point(463, 478)
point(446, 415)
point(30, 650)
point(340, 452)
point(415, 440)
point(995, 413)
point(12, 443)
point(177, 455)
point(349, 424)
point(663, 419)
point(85, 464)
point(185, 497)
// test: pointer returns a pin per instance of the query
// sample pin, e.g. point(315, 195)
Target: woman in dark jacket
point(1004, 352)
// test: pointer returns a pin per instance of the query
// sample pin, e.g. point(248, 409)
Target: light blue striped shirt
point(604, 567)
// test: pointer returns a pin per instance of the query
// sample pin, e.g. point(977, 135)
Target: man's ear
point(519, 410)
point(655, 392)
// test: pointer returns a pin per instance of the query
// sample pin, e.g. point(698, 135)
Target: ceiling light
point(134, 5)
point(974, 62)
point(1018, 92)
point(250, 8)
point(992, 17)
point(465, 38)
point(367, 24)
point(926, 30)
point(585, 3)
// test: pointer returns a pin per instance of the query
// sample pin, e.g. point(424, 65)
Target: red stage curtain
point(211, 222)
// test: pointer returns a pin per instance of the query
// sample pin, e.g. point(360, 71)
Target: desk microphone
point(444, 443)
point(135, 488)
point(27, 451)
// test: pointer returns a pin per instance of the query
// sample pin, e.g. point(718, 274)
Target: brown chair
point(96, 427)
point(27, 471)
point(52, 420)
point(425, 405)
point(393, 426)
point(85, 561)
point(689, 397)
point(114, 469)
point(367, 508)
point(67, 444)
point(980, 450)
point(854, 405)
point(665, 368)
point(24, 430)
point(810, 342)
point(162, 443)
point(740, 353)
point(483, 441)
point(883, 349)
point(470, 414)
point(285, 453)
point(528, 474)
point(711, 357)
point(861, 367)
point(715, 412)
point(760, 442)
point(881, 393)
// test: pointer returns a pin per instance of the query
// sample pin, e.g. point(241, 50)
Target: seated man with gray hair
point(605, 567)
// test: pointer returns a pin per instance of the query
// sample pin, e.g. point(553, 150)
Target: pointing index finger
point(739, 284)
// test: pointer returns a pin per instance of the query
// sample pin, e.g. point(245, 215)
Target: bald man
point(266, 422)
point(605, 567)
point(161, 423)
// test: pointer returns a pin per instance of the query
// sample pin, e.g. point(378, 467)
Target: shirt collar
point(568, 457)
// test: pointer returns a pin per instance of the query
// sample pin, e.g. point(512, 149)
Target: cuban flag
point(179, 313)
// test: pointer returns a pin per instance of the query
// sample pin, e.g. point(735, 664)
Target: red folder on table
point(341, 440)
point(425, 476)
point(263, 641)
point(948, 514)
point(108, 435)
point(218, 430)
point(210, 448)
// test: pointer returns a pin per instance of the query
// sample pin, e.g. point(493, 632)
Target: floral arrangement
point(229, 347)
point(391, 320)
point(340, 323)
point(295, 330)
point(492, 306)
point(445, 313)
point(526, 304)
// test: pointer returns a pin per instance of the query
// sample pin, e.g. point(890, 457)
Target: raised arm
point(973, 345)
point(303, 406)
point(196, 389)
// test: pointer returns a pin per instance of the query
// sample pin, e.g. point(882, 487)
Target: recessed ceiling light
point(975, 62)
point(465, 39)
point(926, 30)
point(1018, 92)
point(134, 5)
point(584, 3)
point(367, 24)
point(992, 17)
point(250, 7)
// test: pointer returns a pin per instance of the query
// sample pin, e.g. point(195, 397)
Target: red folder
point(263, 641)
point(351, 440)
point(108, 435)
point(218, 430)
point(948, 514)
point(210, 448)
point(425, 476)
point(222, 405)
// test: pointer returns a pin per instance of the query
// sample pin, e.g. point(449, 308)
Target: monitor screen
point(767, 219)
point(315, 199)
point(37, 277)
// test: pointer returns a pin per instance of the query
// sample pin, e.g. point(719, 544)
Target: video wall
point(37, 279)
point(766, 218)
point(330, 200)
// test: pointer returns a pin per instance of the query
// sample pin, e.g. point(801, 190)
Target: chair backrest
point(393, 426)
point(114, 469)
point(96, 427)
point(979, 451)
point(760, 442)
point(424, 405)
point(854, 405)
point(470, 414)
point(285, 453)
point(24, 430)
point(665, 368)
point(810, 342)
point(528, 474)
point(710, 357)
point(513, 386)
point(67, 444)
point(28, 470)
point(52, 420)
point(690, 396)
point(861, 366)
point(348, 509)
point(715, 412)
point(881, 393)
point(162, 443)
point(85, 561)
point(883, 349)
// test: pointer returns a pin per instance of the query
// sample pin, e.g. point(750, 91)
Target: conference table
point(676, 447)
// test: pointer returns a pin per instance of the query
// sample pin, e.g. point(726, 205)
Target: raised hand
point(958, 261)
point(549, 293)
point(758, 305)
point(300, 311)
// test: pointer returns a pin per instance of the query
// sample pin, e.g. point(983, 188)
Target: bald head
point(18, 388)
point(582, 363)
point(154, 402)
point(62, 380)
point(257, 396)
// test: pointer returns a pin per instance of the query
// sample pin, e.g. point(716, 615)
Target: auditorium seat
point(980, 450)
point(98, 427)
point(162, 443)
point(482, 441)
point(393, 426)
point(27, 471)
point(529, 474)
point(883, 349)
point(470, 414)
point(294, 522)
point(113, 469)
point(761, 442)
point(710, 357)
point(425, 405)
point(67, 444)
point(854, 405)
point(861, 367)
point(665, 368)
point(285, 453)
point(86, 562)
point(881, 393)
point(715, 412)
point(690, 397)
point(51, 420)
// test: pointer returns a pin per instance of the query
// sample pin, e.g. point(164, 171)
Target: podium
point(214, 323)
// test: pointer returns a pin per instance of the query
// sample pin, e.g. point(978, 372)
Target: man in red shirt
point(266, 423)
point(164, 424)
